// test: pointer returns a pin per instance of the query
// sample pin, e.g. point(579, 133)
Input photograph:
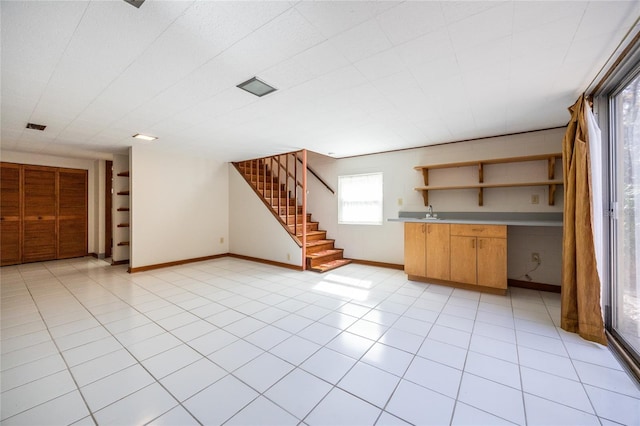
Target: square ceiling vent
point(257, 87)
point(34, 126)
point(135, 3)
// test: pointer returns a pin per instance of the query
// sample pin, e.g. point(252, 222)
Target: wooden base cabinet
point(415, 247)
point(426, 250)
point(492, 262)
point(479, 255)
point(468, 256)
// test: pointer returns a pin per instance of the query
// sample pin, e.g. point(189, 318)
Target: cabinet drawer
point(494, 231)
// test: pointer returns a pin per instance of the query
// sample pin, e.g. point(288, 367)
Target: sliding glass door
point(625, 226)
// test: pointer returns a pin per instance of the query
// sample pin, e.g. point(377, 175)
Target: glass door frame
point(615, 210)
point(604, 109)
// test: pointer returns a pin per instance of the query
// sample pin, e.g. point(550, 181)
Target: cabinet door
point(39, 220)
point(492, 262)
point(10, 215)
point(415, 249)
point(463, 259)
point(72, 213)
point(438, 251)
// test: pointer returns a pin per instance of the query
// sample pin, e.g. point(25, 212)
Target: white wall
point(95, 188)
point(253, 230)
point(385, 243)
point(179, 206)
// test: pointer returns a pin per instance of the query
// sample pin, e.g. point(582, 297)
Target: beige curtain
point(581, 311)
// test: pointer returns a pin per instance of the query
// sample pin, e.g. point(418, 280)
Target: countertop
point(485, 218)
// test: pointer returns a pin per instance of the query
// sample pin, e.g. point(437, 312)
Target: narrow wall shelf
point(552, 183)
point(123, 209)
point(123, 193)
point(124, 174)
point(123, 225)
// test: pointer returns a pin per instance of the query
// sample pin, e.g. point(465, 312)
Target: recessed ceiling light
point(256, 87)
point(33, 126)
point(136, 3)
point(144, 137)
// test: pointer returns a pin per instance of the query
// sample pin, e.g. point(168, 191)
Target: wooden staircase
point(266, 177)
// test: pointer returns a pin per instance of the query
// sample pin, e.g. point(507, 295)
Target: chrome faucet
point(430, 214)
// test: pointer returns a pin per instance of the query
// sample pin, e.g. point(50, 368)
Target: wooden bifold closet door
point(39, 219)
point(72, 213)
point(10, 214)
point(44, 213)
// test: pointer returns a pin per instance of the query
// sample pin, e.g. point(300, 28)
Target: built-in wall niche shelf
point(123, 225)
point(123, 192)
point(123, 209)
point(123, 243)
point(124, 174)
point(551, 181)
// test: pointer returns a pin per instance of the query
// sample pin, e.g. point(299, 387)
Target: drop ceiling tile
point(211, 26)
point(362, 41)
point(427, 48)
point(321, 59)
point(223, 103)
point(530, 16)
point(486, 26)
point(32, 46)
point(282, 38)
point(446, 91)
point(255, 14)
point(333, 18)
point(284, 75)
point(484, 55)
point(432, 72)
point(381, 65)
point(412, 19)
point(554, 35)
point(457, 10)
point(604, 18)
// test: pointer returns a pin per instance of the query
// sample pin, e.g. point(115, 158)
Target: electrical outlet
point(535, 257)
point(288, 256)
point(399, 201)
point(535, 199)
point(221, 240)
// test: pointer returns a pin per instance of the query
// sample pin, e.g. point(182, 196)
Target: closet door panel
point(39, 240)
point(72, 213)
point(10, 217)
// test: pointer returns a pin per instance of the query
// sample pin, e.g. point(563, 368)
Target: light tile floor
point(235, 342)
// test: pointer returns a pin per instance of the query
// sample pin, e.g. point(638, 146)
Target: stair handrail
point(317, 176)
point(273, 167)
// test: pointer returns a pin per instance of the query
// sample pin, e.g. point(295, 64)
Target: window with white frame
point(360, 199)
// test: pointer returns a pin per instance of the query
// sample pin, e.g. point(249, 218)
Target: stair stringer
point(254, 230)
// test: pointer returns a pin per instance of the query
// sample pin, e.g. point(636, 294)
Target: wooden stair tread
point(324, 267)
point(325, 253)
point(311, 233)
point(318, 242)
